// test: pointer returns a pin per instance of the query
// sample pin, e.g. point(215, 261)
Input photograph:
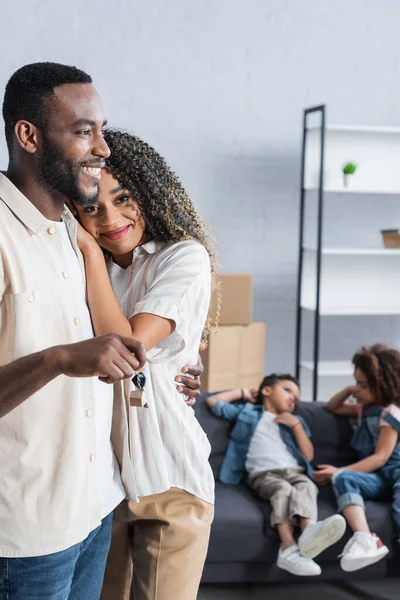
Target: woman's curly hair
point(167, 210)
point(381, 367)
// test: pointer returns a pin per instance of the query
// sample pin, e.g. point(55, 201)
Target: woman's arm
point(107, 316)
point(337, 406)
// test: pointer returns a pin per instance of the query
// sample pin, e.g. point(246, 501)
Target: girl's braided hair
point(166, 208)
point(381, 367)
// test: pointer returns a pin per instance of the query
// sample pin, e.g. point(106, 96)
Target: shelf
point(332, 377)
point(330, 368)
point(358, 251)
point(354, 281)
point(359, 129)
point(375, 150)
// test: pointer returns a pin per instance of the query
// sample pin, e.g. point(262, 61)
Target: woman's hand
point(324, 474)
point(85, 240)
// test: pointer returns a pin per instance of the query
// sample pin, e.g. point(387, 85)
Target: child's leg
point(272, 487)
point(285, 531)
point(315, 537)
point(351, 489)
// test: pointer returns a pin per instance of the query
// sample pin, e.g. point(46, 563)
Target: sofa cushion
point(238, 531)
point(217, 431)
point(330, 434)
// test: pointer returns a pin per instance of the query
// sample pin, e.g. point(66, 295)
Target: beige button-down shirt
point(49, 496)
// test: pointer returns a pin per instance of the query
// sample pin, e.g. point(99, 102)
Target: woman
point(161, 260)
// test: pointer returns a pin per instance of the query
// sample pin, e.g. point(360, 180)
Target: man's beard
point(60, 176)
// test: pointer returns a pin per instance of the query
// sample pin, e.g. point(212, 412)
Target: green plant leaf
point(349, 168)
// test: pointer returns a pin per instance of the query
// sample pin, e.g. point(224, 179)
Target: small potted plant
point(348, 169)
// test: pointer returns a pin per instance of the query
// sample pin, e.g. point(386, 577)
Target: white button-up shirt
point(169, 448)
point(51, 493)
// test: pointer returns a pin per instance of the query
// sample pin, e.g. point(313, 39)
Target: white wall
point(218, 86)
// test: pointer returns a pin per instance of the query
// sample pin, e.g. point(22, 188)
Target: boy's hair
point(381, 367)
point(270, 380)
point(27, 89)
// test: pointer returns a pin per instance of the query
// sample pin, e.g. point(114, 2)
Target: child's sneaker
point(290, 560)
point(319, 536)
point(362, 550)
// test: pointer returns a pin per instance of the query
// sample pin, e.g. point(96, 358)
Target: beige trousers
point(158, 547)
point(292, 494)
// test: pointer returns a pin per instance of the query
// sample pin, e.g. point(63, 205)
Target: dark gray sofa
point(243, 546)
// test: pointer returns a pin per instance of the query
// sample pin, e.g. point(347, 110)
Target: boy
point(273, 446)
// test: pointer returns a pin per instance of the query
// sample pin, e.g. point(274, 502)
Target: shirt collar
point(27, 212)
point(22, 208)
point(150, 247)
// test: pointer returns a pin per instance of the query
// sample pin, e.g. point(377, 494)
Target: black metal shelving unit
point(315, 110)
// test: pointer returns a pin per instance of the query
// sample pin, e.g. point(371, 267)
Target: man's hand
point(109, 357)
point(324, 474)
point(287, 418)
point(190, 386)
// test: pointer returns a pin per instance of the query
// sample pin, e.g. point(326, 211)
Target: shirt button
point(65, 275)
point(92, 457)
point(51, 230)
point(89, 412)
point(31, 298)
point(77, 321)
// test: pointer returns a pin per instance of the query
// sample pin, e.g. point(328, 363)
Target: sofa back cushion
point(331, 435)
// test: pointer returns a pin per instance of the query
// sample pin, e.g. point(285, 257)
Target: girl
point(376, 441)
point(161, 260)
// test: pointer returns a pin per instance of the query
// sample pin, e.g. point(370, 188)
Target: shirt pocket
point(243, 428)
point(30, 322)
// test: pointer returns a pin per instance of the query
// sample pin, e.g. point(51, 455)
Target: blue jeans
point(73, 574)
point(352, 488)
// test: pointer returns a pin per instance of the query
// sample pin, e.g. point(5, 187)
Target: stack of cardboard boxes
point(235, 354)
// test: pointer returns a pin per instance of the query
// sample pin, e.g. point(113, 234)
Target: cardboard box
point(237, 300)
point(234, 357)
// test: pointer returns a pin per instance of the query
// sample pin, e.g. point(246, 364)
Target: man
point(60, 478)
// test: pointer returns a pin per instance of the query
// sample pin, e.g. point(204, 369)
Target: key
point(137, 397)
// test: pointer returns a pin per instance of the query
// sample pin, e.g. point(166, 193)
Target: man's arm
point(109, 357)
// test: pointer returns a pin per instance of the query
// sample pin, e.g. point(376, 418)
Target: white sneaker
point(362, 550)
point(316, 538)
point(290, 560)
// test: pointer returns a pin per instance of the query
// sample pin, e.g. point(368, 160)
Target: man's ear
point(27, 136)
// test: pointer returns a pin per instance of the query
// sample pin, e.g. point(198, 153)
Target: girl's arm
point(387, 441)
point(337, 406)
point(107, 316)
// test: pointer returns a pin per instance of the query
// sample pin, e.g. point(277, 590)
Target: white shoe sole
point(293, 571)
point(356, 564)
point(332, 531)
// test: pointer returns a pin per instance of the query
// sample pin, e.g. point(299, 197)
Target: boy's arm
point(337, 406)
point(221, 407)
point(303, 441)
point(228, 396)
point(301, 433)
